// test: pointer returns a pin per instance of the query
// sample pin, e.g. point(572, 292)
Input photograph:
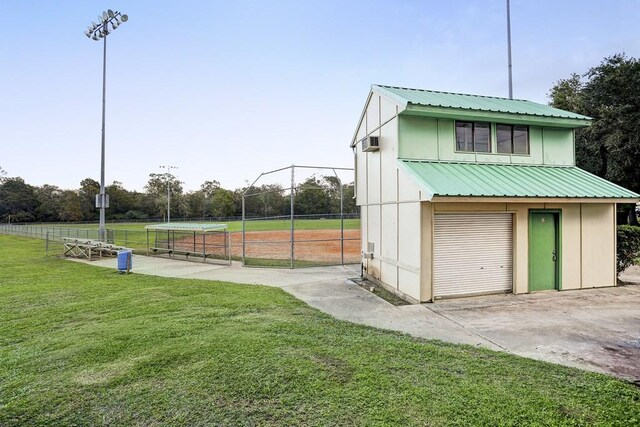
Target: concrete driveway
point(594, 329)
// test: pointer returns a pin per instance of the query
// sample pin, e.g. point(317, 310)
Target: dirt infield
point(309, 245)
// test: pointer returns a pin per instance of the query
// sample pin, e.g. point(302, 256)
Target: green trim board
point(541, 249)
point(466, 179)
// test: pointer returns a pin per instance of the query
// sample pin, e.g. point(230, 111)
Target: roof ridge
point(453, 93)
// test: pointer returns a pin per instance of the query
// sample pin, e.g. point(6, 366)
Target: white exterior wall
point(389, 203)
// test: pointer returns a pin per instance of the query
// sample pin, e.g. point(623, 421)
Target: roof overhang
point(468, 182)
point(490, 116)
point(531, 200)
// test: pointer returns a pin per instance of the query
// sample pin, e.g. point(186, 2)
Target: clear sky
point(228, 89)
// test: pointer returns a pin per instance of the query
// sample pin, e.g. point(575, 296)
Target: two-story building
point(464, 194)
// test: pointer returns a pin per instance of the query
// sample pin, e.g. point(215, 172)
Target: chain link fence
point(312, 220)
point(212, 247)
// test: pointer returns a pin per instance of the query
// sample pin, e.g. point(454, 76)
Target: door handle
point(555, 256)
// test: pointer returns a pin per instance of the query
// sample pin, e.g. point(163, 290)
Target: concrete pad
point(594, 329)
point(166, 267)
point(630, 275)
point(348, 301)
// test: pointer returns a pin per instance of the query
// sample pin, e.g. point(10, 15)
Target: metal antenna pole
point(102, 227)
point(509, 50)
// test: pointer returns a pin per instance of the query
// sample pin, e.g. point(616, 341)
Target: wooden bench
point(172, 252)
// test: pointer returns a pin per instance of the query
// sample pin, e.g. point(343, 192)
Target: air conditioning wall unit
point(370, 143)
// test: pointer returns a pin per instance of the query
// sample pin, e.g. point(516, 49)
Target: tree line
point(22, 202)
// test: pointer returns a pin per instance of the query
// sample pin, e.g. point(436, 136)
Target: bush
point(135, 215)
point(628, 246)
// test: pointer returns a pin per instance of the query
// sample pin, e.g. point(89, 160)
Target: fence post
point(204, 245)
point(46, 245)
point(293, 183)
point(243, 230)
point(227, 237)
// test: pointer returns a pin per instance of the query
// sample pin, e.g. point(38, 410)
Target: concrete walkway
point(593, 329)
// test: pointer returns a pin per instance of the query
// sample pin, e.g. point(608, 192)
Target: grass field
point(82, 345)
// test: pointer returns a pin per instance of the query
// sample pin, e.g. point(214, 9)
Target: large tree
point(157, 189)
point(610, 94)
point(313, 197)
point(88, 189)
point(222, 203)
point(18, 201)
point(49, 203)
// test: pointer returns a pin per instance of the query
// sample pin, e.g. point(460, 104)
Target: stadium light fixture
point(97, 31)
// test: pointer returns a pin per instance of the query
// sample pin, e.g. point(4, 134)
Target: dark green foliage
point(312, 198)
point(48, 203)
point(18, 200)
point(628, 246)
point(84, 346)
point(608, 93)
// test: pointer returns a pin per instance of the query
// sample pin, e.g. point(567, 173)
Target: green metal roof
point(493, 104)
point(187, 226)
point(496, 180)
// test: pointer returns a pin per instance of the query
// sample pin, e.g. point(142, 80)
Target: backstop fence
point(300, 216)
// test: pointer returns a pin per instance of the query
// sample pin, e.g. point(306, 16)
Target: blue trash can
point(125, 261)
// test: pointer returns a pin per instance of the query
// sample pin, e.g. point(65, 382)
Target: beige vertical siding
point(588, 242)
point(598, 245)
point(426, 264)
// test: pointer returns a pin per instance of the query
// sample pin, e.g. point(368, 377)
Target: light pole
point(96, 32)
point(168, 176)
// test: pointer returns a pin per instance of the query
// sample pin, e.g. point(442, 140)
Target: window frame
point(512, 129)
point(473, 136)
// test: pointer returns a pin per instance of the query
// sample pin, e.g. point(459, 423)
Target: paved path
point(593, 329)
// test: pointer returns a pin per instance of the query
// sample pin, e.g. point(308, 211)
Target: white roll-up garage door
point(472, 254)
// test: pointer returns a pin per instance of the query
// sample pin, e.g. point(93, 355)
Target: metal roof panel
point(502, 180)
point(475, 102)
point(187, 226)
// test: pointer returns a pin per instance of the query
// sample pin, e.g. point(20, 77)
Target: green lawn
point(81, 345)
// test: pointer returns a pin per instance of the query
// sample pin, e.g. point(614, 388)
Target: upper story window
point(473, 136)
point(512, 139)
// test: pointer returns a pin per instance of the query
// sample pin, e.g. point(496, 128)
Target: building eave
point(491, 116)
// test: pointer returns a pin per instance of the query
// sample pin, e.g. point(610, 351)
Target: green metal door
point(543, 251)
